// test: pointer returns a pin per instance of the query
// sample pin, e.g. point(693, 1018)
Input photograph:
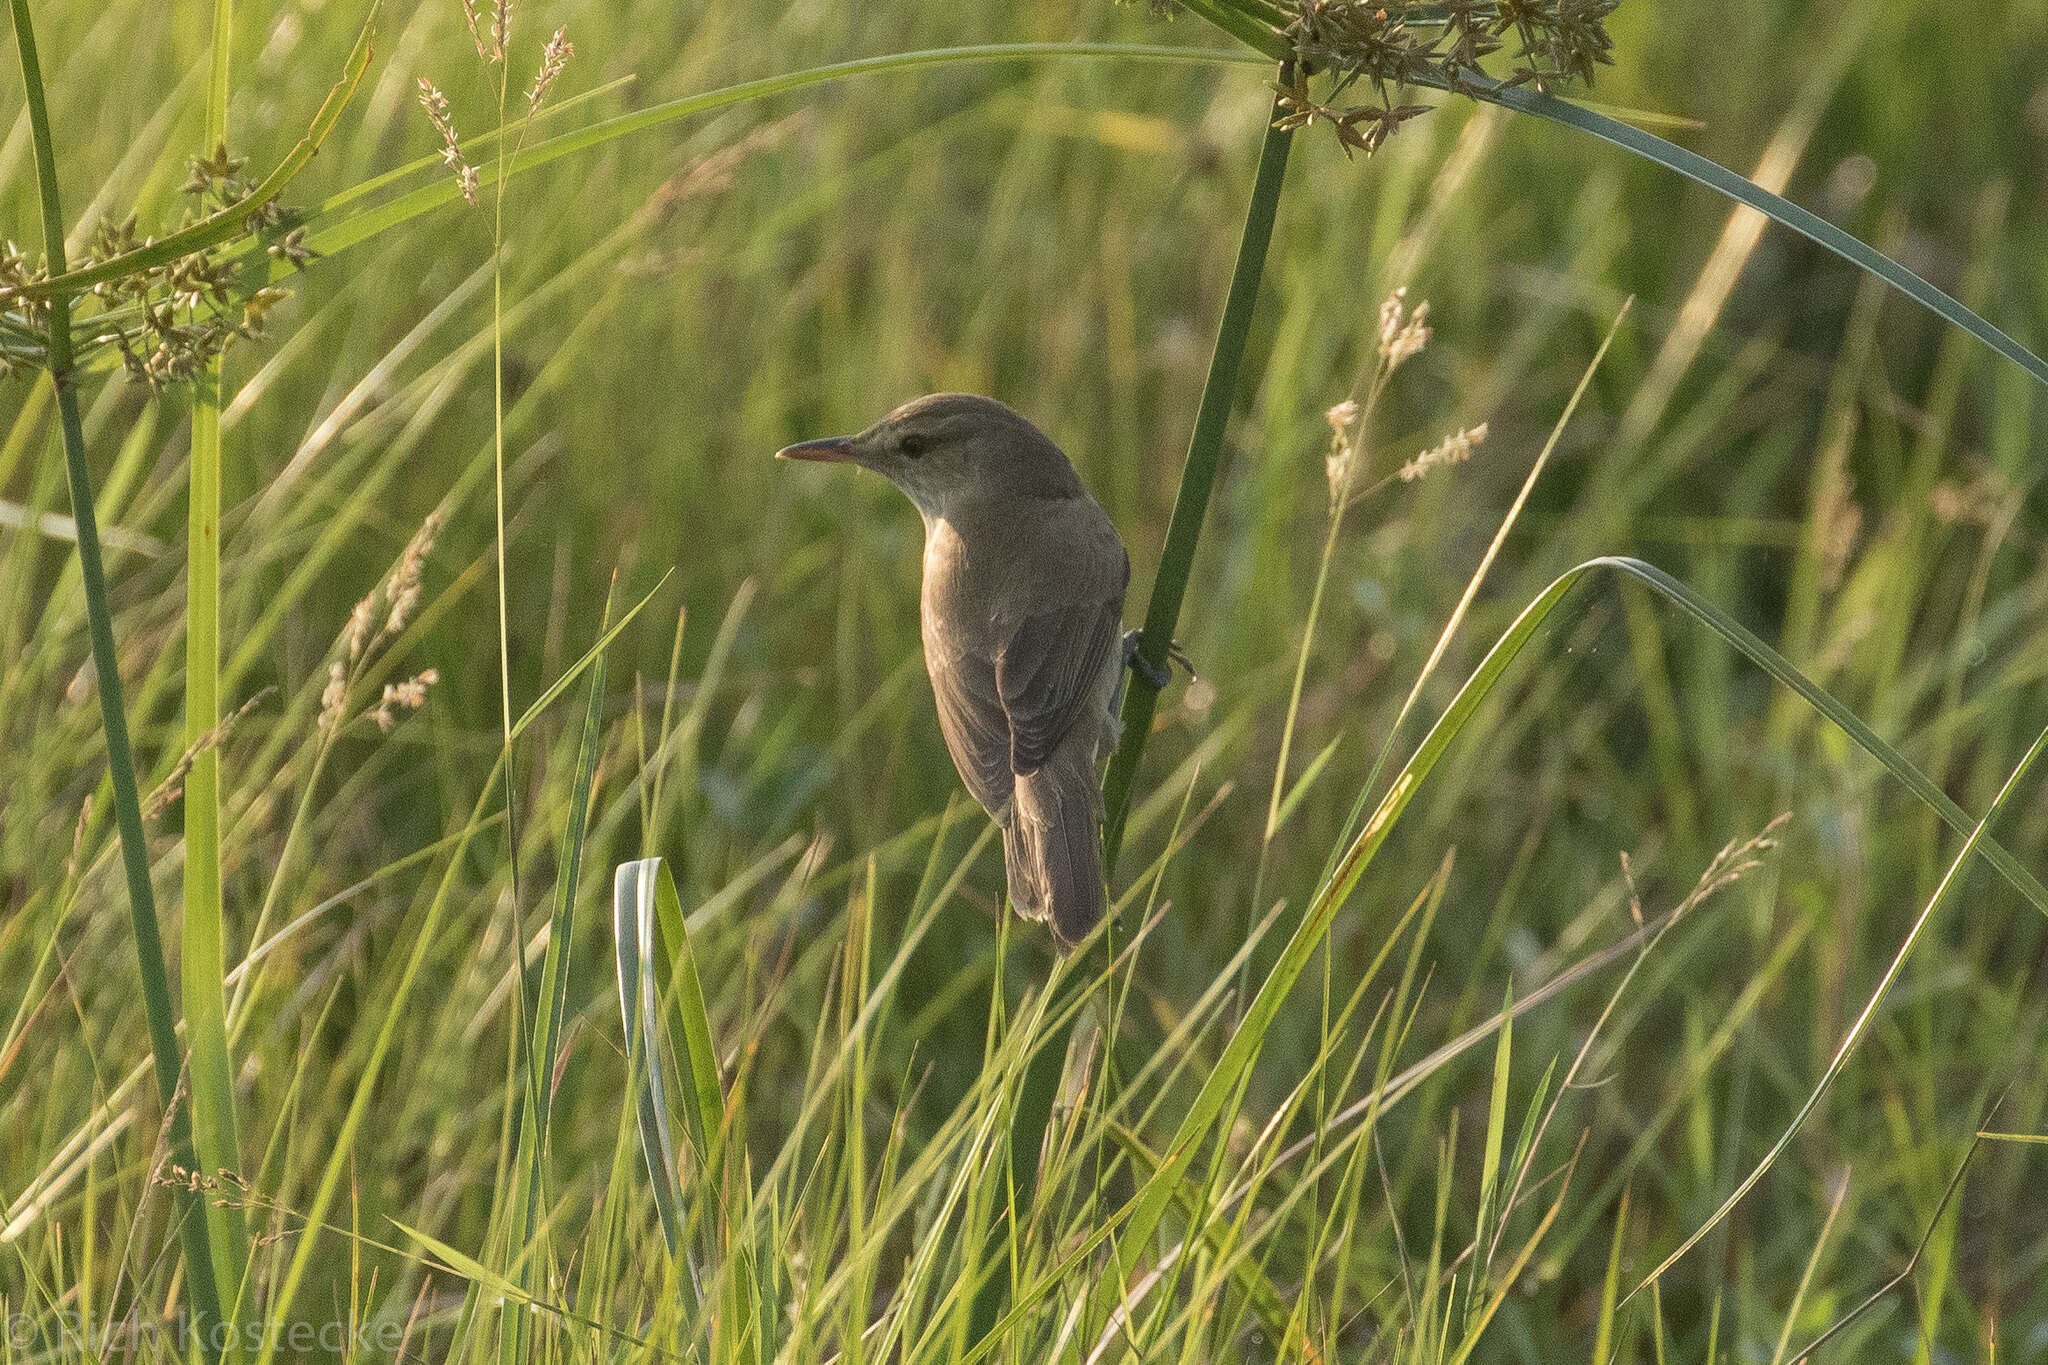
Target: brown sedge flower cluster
point(168, 320)
point(1445, 44)
point(1389, 45)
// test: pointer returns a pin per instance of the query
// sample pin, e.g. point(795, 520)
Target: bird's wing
point(1050, 672)
point(971, 717)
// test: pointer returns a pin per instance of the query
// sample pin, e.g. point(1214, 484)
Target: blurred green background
point(1827, 463)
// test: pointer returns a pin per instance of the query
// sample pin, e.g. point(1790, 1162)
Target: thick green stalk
point(1041, 1080)
point(156, 986)
point(1197, 478)
point(202, 958)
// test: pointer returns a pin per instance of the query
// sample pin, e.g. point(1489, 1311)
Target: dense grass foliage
point(1449, 1089)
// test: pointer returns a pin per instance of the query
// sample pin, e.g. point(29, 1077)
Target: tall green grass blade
point(392, 1012)
point(1198, 478)
point(589, 660)
point(1813, 1261)
point(202, 957)
point(553, 998)
point(1950, 881)
point(1150, 1203)
point(401, 993)
point(200, 1260)
point(1948, 1194)
point(1610, 1287)
point(1508, 1281)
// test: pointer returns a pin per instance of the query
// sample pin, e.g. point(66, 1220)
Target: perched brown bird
point(1022, 606)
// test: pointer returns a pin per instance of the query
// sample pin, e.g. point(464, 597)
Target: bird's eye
point(914, 444)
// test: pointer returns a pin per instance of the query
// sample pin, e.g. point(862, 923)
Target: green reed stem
point(156, 986)
point(1198, 478)
point(202, 957)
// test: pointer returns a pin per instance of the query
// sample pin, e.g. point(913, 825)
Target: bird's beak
point(835, 449)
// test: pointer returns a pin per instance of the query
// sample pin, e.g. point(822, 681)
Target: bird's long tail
point(1052, 844)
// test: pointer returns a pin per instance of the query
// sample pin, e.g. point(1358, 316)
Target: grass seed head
point(403, 591)
point(436, 105)
point(409, 695)
point(1453, 449)
point(553, 58)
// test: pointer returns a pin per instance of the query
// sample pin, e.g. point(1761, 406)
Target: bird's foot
point(1159, 675)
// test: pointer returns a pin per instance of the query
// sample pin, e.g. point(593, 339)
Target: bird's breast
point(953, 605)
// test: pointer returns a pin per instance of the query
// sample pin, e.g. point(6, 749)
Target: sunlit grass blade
point(656, 967)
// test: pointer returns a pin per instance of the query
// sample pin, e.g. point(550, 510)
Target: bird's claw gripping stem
point(1159, 675)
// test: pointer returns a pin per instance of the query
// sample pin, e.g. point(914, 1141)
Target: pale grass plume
point(409, 695)
point(334, 697)
point(398, 599)
point(356, 637)
point(436, 105)
point(476, 32)
point(1453, 449)
point(553, 58)
point(403, 591)
point(1340, 464)
point(1403, 334)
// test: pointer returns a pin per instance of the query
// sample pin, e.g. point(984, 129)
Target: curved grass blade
point(634, 925)
point(1779, 667)
point(1779, 209)
point(655, 964)
point(1149, 1205)
point(1950, 881)
point(1765, 657)
point(1235, 17)
point(352, 231)
point(589, 659)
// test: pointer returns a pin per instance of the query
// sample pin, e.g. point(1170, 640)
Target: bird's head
point(948, 448)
